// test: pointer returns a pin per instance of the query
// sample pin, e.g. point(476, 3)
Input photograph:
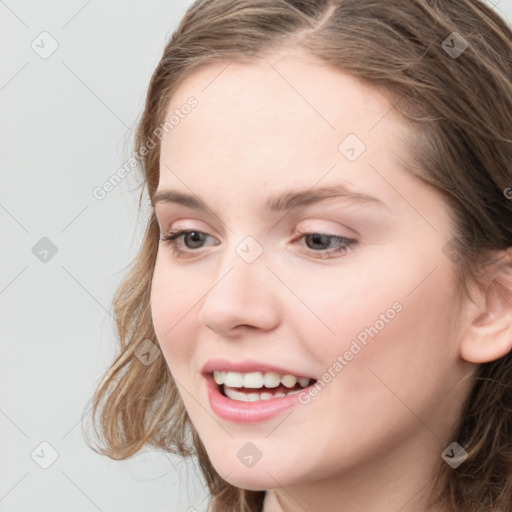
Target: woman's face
point(264, 284)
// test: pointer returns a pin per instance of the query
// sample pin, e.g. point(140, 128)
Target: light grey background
point(67, 124)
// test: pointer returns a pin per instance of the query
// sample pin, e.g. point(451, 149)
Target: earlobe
point(489, 335)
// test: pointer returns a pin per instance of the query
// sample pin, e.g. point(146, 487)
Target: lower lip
point(247, 412)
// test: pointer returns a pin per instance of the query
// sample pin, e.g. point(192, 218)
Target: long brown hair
point(460, 108)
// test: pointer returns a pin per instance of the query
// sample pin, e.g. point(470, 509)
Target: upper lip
point(247, 366)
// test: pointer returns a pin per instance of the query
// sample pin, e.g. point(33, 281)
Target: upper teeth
point(258, 379)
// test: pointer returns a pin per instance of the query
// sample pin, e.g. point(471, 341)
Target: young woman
point(321, 308)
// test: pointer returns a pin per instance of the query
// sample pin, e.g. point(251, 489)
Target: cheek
point(390, 318)
point(408, 363)
point(343, 305)
point(173, 313)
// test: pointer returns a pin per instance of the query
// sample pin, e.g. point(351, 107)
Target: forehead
point(279, 119)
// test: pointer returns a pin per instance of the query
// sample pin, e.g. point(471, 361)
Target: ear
point(489, 333)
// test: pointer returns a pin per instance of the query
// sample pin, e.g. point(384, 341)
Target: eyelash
point(172, 236)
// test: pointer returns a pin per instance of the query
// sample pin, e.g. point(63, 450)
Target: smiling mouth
point(256, 386)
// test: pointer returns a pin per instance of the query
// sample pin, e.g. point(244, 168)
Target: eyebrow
point(280, 202)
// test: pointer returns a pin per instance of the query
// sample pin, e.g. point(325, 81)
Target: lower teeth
point(253, 397)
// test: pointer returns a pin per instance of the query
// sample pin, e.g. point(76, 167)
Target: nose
point(242, 296)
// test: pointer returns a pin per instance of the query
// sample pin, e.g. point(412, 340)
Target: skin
point(372, 438)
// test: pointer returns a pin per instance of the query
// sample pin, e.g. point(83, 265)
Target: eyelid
point(307, 226)
point(303, 231)
point(347, 244)
point(311, 225)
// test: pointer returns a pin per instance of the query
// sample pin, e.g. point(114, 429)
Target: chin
point(261, 482)
point(260, 477)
